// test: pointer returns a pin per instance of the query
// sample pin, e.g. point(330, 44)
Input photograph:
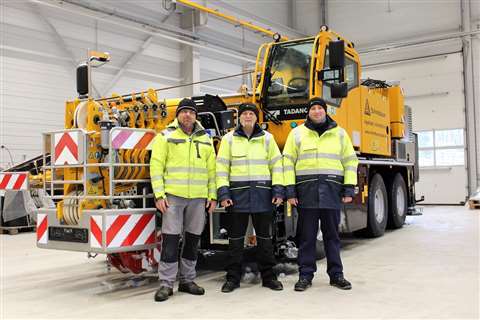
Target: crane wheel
point(398, 202)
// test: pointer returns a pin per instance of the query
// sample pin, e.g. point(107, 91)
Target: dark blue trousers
point(307, 230)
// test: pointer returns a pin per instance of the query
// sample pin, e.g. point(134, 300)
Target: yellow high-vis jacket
point(249, 171)
point(183, 165)
point(319, 169)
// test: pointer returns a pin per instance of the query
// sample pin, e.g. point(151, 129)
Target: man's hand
point(347, 199)
point(277, 201)
point(211, 205)
point(226, 203)
point(162, 205)
point(293, 201)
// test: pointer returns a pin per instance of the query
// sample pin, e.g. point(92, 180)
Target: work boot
point(302, 284)
point(273, 284)
point(341, 283)
point(163, 293)
point(192, 288)
point(229, 286)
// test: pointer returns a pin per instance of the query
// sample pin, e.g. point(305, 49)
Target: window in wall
point(440, 148)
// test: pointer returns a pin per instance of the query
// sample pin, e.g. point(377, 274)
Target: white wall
point(369, 23)
point(434, 89)
point(215, 66)
point(38, 75)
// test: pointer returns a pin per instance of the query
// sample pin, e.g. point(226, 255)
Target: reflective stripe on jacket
point(249, 171)
point(183, 165)
point(319, 170)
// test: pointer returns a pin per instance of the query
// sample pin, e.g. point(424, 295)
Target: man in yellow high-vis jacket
point(182, 171)
point(320, 167)
point(250, 183)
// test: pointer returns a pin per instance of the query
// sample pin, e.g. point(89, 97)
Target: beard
point(187, 127)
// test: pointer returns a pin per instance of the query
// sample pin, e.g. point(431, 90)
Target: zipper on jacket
point(198, 150)
point(189, 166)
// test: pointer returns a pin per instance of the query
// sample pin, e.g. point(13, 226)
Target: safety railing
point(69, 150)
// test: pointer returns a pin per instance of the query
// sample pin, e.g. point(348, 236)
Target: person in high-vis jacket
point(320, 167)
point(182, 172)
point(250, 183)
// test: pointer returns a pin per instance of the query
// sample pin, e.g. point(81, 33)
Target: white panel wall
point(30, 105)
point(276, 11)
point(215, 66)
point(377, 22)
point(434, 90)
point(308, 16)
point(37, 74)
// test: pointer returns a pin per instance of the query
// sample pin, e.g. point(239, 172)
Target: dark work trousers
point(307, 230)
point(262, 222)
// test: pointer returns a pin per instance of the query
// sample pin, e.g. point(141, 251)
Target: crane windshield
point(288, 73)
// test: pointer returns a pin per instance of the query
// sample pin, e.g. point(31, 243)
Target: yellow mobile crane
point(100, 160)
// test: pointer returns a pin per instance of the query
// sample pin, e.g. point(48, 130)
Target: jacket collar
point(257, 131)
point(321, 128)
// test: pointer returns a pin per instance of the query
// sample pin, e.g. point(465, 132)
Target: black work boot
point(163, 293)
point(341, 283)
point(192, 288)
point(273, 284)
point(303, 284)
point(229, 286)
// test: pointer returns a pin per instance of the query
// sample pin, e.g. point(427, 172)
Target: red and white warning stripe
point(42, 226)
point(131, 139)
point(13, 180)
point(123, 230)
point(66, 147)
point(96, 231)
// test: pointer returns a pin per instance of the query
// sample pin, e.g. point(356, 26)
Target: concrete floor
point(428, 269)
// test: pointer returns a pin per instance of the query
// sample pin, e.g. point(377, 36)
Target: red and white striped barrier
point(96, 231)
point(42, 226)
point(66, 147)
point(131, 139)
point(123, 230)
point(13, 180)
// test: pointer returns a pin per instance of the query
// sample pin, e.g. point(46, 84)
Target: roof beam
point(419, 41)
point(324, 11)
point(246, 13)
point(292, 13)
point(147, 28)
point(127, 64)
point(60, 41)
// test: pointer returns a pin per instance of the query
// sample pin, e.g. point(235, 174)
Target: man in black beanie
point(320, 171)
point(182, 171)
point(186, 104)
point(247, 107)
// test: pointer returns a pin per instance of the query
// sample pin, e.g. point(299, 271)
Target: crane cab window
point(351, 78)
point(288, 73)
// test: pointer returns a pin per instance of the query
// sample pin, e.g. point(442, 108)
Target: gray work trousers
point(187, 215)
